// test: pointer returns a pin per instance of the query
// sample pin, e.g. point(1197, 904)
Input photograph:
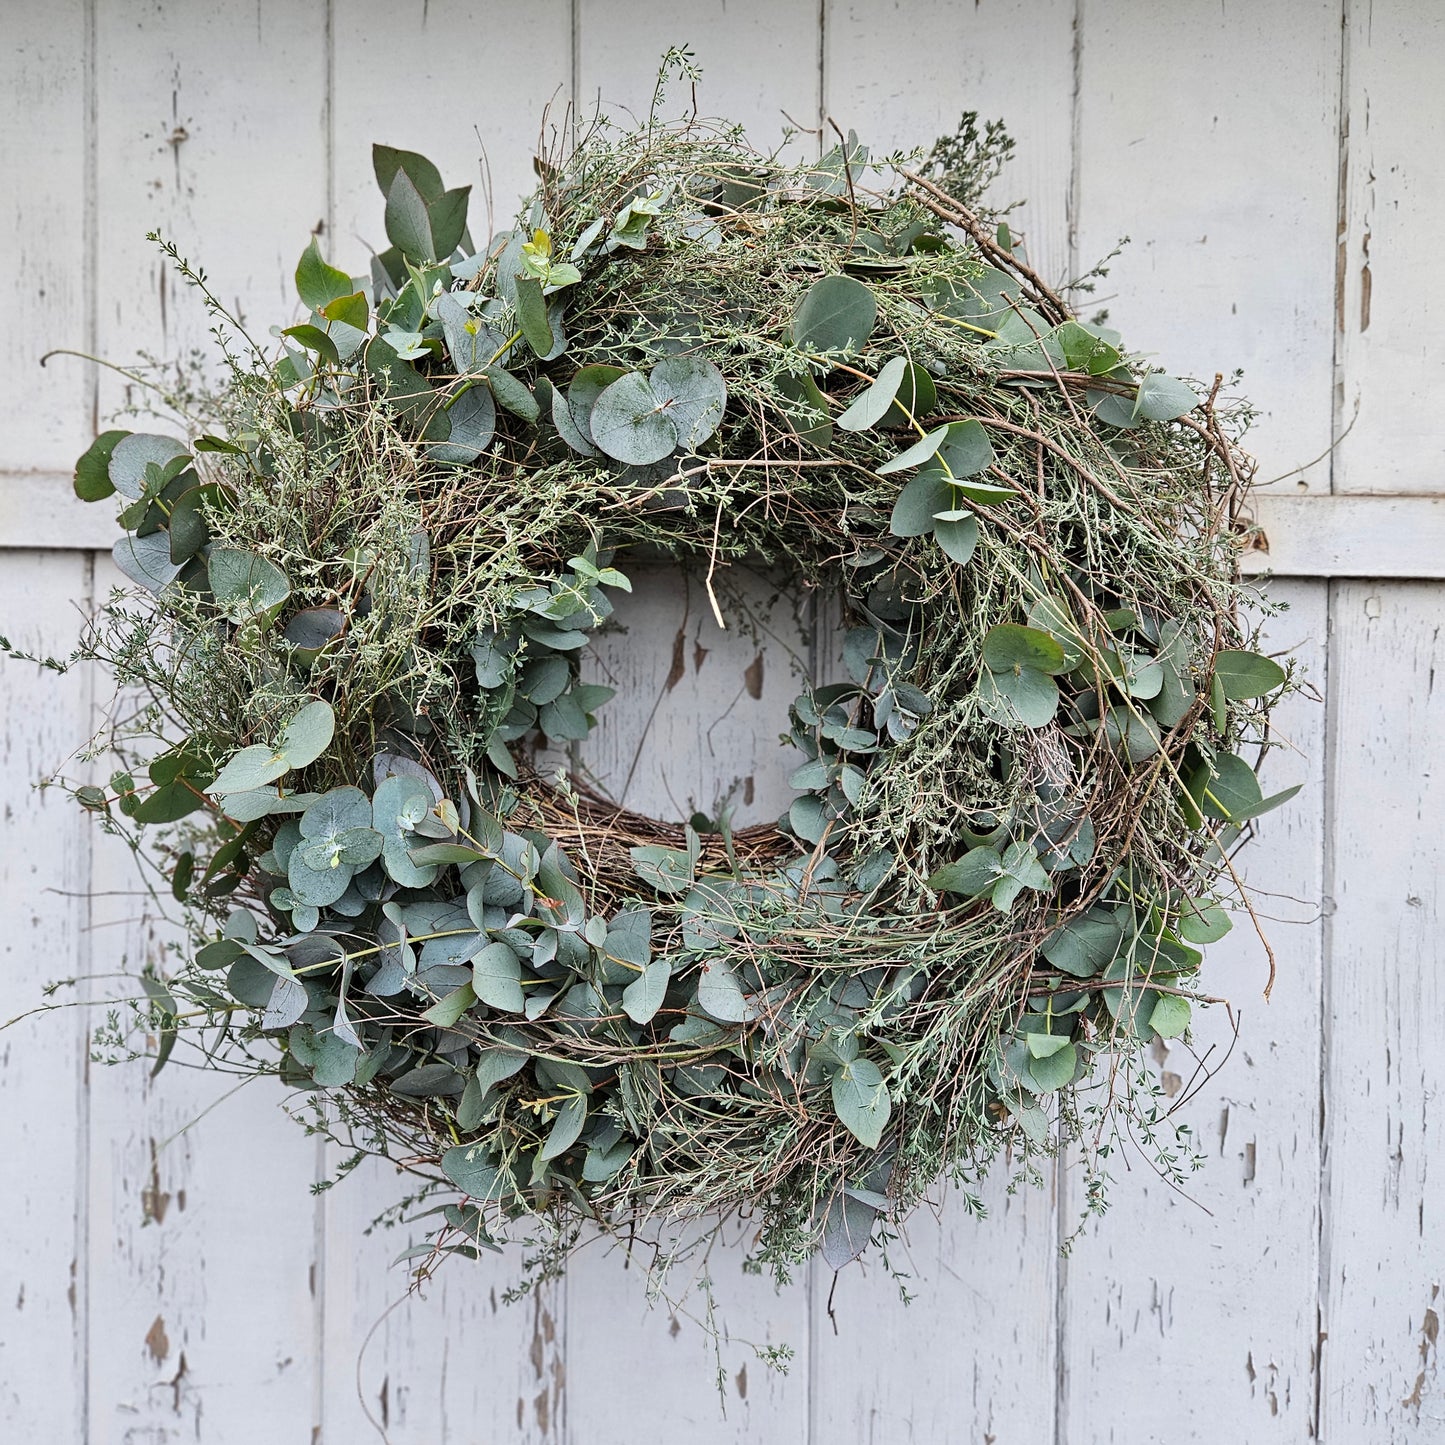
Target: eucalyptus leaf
point(860, 1099)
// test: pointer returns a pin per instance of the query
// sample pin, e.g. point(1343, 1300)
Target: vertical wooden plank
point(1176, 105)
point(449, 1363)
point(982, 1324)
point(901, 73)
point(1390, 310)
point(759, 61)
point(44, 875)
point(760, 64)
point(696, 717)
point(201, 1248)
point(211, 126)
point(1383, 1264)
point(1213, 1288)
point(1222, 1302)
point(42, 171)
point(452, 1363)
point(482, 78)
point(211, 129)
point(699, 708)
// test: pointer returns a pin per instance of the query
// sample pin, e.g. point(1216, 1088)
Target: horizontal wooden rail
point(1300, 535)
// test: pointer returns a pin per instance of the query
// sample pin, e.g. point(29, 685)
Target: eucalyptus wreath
point(372, 567)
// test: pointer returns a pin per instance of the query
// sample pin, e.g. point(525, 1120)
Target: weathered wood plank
point(1390, 310)
point(201, 1307)
point(761, 64)
point(43, 174)
point(211, 129)
point(1213, 1288)
point(452, 1363)
point(498, 71)
point(1382, 1261)
point(201, 1234)
point(1174, 104)
point(901, 73)
point(984, 1313)
point(1223, 1301)
point(44, 876)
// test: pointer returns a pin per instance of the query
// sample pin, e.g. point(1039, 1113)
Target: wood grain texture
point(44, 1140)
point(1174, 107)
point(498, 70)
point(201, 1237)
point(210, 128)
point(1212, 1288)
point(1389, 308)
point(902, 73)
point(1383, 1262)
point(43, 174)
point(760, 59)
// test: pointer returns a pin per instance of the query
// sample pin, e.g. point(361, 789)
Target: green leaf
point(349, 310)
point(178, 799)
point(917, 396)
point(567, 427)
point(468, 1167)
point(1019, 869)
point(627, 423)
point(1008, 647)
point(1043, 1046)
point(1203, 922)
point(1247, 674)
point(133, 453)
point(307, 735)
point(471, 420)
point(515, 395)
point(720, 995)
point(837, 314)
point(251, 768)
point(448, 1009)
point(860, 1099)
point(146, 560)
point(692, 394)
point(496, 977)
point(532, 315)
point(1163, 398)
point(919, 503)
point(873, 403)
point(386, 161)
point(565, 1128)
point(972, 875)
point(92, 468)
point(448, 217)
point(1053, 1070)
point(313, 338)
point(642, 998)
point(319, 284)
point(965, 449)
point(246, 585)
point(408, 221)
point(584, 389)
point(1085, 946)
point(917, 454)
point(1170, 1016)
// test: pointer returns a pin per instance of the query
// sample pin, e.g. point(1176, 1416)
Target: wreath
point(375, 563)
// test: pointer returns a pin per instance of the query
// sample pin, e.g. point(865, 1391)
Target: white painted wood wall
point(1278, 161)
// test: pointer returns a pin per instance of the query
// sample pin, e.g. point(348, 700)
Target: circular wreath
point(375, 569)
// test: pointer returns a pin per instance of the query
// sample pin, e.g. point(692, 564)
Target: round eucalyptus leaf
point(629, 424)
point(147, 560)
point(1010, 647)
point(132, 454)
point(693, 394)
point(307, 735)
point(957, 538)
point(249, 769)
point(837, 314)
point(246, 585)
point(584, 389)
point(921, 499)
point(471, 418)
